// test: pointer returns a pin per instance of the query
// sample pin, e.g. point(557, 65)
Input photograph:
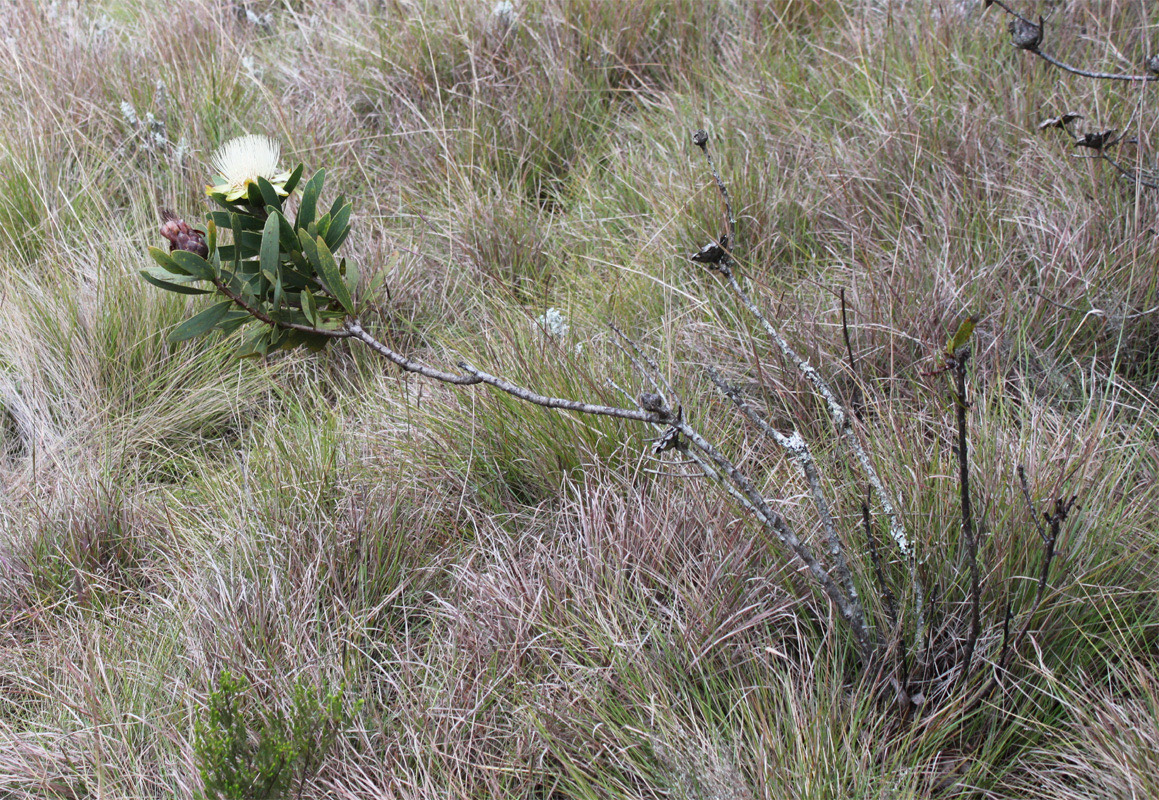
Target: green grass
point(526, 603)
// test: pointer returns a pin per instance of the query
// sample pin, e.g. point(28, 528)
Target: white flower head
point(553, 323)
point(241, 161)
point(504, 11)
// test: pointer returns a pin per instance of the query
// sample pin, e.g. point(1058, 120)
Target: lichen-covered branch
point(798, 449)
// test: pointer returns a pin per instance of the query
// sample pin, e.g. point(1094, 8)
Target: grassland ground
point(527, 603)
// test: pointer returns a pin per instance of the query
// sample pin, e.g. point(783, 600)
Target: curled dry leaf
point(712, 253)
point(1060, 121)
point(1097, 141)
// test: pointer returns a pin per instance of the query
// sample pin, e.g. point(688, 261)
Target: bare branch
point(1134, 175)
point(743, 490)
point(700, 138)
point(838, 415)
point(858, 401)
point(658, 418)
point(1100, 76)
point(1030, 503)
point(1026, 34)
point(356, 330)
point(798, 450)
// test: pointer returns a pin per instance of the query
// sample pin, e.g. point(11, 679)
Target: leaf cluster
point(278, 271)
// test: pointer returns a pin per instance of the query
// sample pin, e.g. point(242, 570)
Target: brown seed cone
point(181, 235)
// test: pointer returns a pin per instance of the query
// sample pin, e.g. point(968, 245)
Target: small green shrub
point(248, 749)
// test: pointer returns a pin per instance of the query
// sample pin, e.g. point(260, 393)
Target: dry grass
point(524, 606)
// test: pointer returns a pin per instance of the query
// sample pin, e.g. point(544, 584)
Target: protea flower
point(181, 235)
point(241, 161)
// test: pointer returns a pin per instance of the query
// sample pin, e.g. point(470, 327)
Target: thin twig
point(1135, 175)
point(1062, 509)
point(1006, 632)
point(858, 399)
point(559, 402)
point(1030, 503)
point(473, 376)
point(897, 638)
point(277, 323)
point(731, 217)
point(1008, 10)
point(355, 329)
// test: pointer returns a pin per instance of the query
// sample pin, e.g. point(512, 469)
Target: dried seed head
point(1025, 35)
point(700, 138)
point(181, 234)
point(650, 401)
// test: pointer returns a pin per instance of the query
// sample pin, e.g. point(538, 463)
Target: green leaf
point(295, 176)
point(256, 344)
point(339, 227)
point(200, 323)
point(289, 237)
point(310, 250)
point(166, 261)
point(233, 320)
point(308, 208)
point(238, 229)
point(312, 341)
point(173, 287)
point(309, 307)
point(219, 198)
point(193, 264)
point(226, 219)
point(211, 236)
point(278, 337)
point(251, 243)
point(295, 279)
point(254, 196)
point(271, 246)
point(269, 194)
point(332, 277)
point(172, 277)
point(321, 226)
point(962, 335)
